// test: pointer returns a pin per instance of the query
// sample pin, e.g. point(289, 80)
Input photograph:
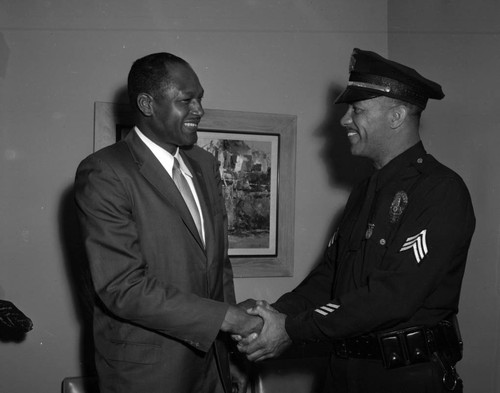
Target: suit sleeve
point(442, 222)
point(120, 273)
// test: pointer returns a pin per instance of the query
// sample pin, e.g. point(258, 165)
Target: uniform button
point(420, 160)
point(382, 242)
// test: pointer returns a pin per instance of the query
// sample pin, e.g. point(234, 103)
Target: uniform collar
point(411, 156)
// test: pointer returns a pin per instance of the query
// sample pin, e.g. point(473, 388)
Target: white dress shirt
point(167, 161)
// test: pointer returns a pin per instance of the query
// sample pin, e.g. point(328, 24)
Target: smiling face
point(172, 116)
point(368, 129)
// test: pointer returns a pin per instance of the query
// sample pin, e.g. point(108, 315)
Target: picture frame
point(261, 134)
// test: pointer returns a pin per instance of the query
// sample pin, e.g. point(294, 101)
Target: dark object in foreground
point(12, 318)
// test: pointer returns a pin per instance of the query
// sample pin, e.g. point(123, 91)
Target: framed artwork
point(247, 165)
point(256, 155)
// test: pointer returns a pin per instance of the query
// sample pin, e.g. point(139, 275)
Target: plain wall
point(58, 57)
point(457, 43)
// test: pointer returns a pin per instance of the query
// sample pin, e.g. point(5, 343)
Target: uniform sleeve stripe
point(327, 309)
point(419, 245)
point(417, 255)
point(424, 241)
point(420, 248)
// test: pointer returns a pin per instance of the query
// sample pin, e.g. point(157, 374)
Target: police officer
point(386, 294)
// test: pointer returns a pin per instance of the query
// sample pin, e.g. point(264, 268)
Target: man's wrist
point(231, 318)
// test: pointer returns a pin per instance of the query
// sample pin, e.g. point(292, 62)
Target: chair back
point(80, 385)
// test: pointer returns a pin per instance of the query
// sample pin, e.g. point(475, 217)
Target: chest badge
point(398, 206)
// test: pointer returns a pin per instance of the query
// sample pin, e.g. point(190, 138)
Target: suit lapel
point(203, 197)
point(157, 176)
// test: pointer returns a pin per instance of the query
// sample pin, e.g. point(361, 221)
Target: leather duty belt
point(403, 347)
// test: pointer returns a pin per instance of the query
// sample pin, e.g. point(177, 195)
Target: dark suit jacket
point(160, 293)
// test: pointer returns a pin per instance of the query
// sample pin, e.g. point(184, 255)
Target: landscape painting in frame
point(248, 166)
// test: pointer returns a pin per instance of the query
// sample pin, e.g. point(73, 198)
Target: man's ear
point(145, 104)
point(398, 115)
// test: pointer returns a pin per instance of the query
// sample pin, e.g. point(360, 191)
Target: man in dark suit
point(154, 226)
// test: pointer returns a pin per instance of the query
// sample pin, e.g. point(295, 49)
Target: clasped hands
point(261, 331)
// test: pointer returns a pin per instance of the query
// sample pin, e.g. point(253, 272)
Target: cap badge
point(398, 205)
point(352, 63)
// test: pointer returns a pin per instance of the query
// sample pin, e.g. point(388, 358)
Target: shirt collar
point(165, 158)
point(184, 168)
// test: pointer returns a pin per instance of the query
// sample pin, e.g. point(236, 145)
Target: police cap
point(371, 75)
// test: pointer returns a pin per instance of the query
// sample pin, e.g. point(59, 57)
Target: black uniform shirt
point(401, 265)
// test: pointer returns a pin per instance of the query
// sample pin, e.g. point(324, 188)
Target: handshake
point(258, 329)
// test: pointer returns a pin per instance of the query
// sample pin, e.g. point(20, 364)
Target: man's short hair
point(151, 75)
point(413, 110)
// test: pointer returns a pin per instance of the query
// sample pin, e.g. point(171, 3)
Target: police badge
point(398, 205)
